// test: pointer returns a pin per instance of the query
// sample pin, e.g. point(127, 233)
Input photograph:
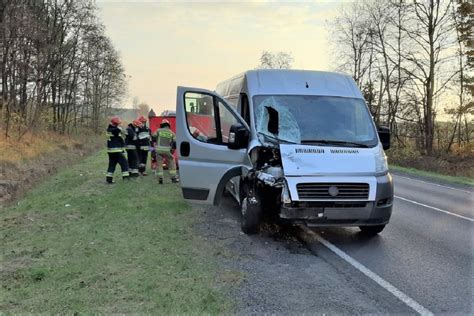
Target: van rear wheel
point(251, 215)
point(372, 230)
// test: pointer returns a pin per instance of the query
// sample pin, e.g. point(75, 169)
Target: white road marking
point(372, 275)
point(435, 208)
point(435, 184)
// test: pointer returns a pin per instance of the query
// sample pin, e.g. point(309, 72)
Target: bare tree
point(461, 16)
point(280, 60)
point(58, 67)
point(429, 30)
point(401, 55)
point(143, 109)
point(352, 33)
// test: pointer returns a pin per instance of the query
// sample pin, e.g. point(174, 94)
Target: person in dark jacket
point(131, 141)
point(143, 146)
point(115, 149)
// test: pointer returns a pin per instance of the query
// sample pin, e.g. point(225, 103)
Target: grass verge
point(33, 145)
point(434, 176)
point(75, 244)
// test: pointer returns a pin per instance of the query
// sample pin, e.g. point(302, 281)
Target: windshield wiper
point(278, 140)
point(333, 142)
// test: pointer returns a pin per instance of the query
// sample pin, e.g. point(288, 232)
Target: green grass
point(434, 176)
point(76, 244)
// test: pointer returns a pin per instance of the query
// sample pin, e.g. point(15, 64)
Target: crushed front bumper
point(345, 213)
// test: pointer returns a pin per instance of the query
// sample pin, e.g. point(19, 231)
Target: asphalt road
point(425, 252)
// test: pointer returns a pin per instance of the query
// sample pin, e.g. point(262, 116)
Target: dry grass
point(459, 163)
point(25, 162)
point(32, 145)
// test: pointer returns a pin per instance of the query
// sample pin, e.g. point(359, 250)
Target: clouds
point(168, 44)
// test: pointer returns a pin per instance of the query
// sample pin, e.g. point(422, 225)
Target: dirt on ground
point(274, 273)
point(17, 177)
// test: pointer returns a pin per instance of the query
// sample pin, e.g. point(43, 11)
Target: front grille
point(333, 191)
point(330, 204)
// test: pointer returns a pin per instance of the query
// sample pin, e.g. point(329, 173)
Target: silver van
point(301, 145)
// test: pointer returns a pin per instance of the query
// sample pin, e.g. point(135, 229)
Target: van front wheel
point(372, 230)
point(251, 214)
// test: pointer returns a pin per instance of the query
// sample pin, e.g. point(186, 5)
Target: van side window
point(227, 119)
point(244, 108)
point(209, 121)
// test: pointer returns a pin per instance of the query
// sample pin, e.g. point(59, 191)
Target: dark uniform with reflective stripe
point(115, 149)
point(131, 141)
point(143, 146)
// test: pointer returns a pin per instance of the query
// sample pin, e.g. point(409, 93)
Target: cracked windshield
point(315, 119)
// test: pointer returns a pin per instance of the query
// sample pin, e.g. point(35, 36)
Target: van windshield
point(319, 120)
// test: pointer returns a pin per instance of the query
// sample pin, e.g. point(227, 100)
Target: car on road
point(298, 145)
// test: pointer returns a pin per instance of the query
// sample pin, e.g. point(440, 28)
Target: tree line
point(412, 59)
point(58, 68)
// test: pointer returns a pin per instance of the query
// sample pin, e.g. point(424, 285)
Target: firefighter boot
point(160, 180)
point(175, 179)
point(125, 175)
point(109, 180)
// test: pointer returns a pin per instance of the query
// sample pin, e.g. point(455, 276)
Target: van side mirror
point(238, 137)
point(384, 135)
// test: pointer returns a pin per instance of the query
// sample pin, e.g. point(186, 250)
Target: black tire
point(251, 217)
point(372, 230)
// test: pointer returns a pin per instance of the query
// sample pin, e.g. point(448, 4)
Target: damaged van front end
point(328, 175)
point(319, 186)
point(351, 195)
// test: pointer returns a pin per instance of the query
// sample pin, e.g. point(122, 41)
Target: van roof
point(298, 82)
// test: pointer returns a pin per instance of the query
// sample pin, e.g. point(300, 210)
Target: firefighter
point(143, 145)
point(115, 149)
point(131, 141)
point(165, 145)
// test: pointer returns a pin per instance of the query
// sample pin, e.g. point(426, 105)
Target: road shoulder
point(439, 179)
point(274, 272)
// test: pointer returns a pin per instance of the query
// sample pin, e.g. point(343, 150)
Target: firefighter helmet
point(165, 122)
point(136, 123)
point(142, 119)
point(115, 120)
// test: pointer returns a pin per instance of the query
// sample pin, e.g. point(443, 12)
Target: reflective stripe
point(164, 137)
point(173, 172)
point(125, 173)
point(133, 170)
point(114, 150)
point(144, 147)
point(159, 173)
point(164, 150)
point(131, 147)
point(110, 174)
point(143, 135)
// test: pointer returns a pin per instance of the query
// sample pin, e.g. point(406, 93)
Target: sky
point(165, 44)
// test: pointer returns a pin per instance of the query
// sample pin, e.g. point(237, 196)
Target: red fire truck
point(199, 121)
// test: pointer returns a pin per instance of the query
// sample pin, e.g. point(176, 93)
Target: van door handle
point(184, 149)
